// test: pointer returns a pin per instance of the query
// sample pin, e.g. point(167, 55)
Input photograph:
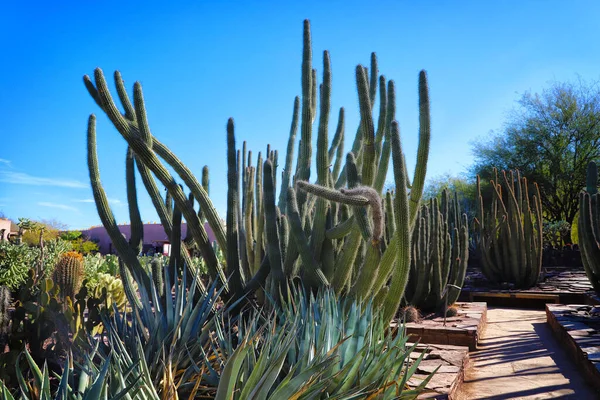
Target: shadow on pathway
point(518, 358)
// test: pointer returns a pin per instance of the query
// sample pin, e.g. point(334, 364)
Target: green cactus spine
point(68, 274)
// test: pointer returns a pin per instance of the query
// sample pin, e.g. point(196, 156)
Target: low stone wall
point(462, 330)
point(452, 362)
point(577, 330)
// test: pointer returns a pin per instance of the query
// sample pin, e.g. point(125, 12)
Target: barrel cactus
point(589, 227)
point(510, 232)
point(68, 274)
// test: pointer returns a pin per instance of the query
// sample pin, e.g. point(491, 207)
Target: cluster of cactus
point(326, 234)
point(440, 253)
point(68, 274)
point(510, 232)
point(588, 227)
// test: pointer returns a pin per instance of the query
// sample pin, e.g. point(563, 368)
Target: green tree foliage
point(32, 229)
point(550, 137)
point(79, 242)
point(462, 186)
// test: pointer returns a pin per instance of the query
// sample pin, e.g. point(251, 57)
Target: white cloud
point(113, 201)
point(4, 161)
point(57, 205)
point(26, 179)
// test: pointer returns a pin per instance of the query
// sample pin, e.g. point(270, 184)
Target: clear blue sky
point(203, 62)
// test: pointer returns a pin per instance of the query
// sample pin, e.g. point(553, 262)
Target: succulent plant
point(267, 247)
point(68, 274)
point(510, 231)
point(410, 314)
point(440, 253)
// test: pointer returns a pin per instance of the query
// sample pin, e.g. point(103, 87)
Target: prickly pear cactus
point(68, 274)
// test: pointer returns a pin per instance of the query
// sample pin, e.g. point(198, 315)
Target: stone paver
point(518, 358)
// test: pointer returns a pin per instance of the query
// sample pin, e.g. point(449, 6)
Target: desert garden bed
point(464, 329)
point(558, 285)
point(578, 328)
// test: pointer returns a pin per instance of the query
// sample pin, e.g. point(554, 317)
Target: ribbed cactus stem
point(423, 150)
point(137, 226)
point(402, 214)
point(273, 241)
point(233, 257)
point(68, 274)
point(157, 276)
point(289, 157)
point(332, 194)
point(126, 253)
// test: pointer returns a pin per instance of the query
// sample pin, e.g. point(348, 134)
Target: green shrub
point(15, 262)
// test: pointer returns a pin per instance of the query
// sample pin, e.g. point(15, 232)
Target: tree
point(466, 191)
point(550, 137)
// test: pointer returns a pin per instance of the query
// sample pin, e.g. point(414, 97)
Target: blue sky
point(203, 62)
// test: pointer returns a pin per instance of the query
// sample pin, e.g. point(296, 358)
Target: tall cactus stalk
point(330, 232)
point(439, 254)
point(510, 232)
point(589, 227)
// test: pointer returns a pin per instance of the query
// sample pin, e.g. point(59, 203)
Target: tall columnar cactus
point(68, 274)
point(5, 303)
point(588, 226)
point(440, 252)
point(327, 233)
point(510, 231)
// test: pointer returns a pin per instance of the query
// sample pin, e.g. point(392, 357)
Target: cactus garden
point(341, 256)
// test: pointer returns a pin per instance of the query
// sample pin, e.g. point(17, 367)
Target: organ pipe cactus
point(589, 227)
point(510, 231)
point(327, 233)
point(440, 252)
point(68, 274)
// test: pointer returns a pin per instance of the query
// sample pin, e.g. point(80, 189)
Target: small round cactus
point(68, 274)
point(410, 314)
point(451, 311)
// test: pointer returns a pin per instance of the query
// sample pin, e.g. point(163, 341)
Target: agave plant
point(318, 347)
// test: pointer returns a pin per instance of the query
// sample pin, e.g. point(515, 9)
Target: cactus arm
point(423, 150)
point(340, 230)
point(126, 253)
point(304, 159)
point(366, 126)
point(338, 136)
point(309, 263)
point(402, 250)
point(318, 234)
point(380, 133)
point(175, 264)
point(137, 227)
point(233, 257)
point(248, 214)
point(384, 160)
point(289, 157)
point(332, 194)
point(273, 241)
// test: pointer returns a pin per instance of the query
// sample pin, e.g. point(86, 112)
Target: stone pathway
point(518, 358)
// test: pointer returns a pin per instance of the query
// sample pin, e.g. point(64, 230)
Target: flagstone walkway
point(518, 358)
